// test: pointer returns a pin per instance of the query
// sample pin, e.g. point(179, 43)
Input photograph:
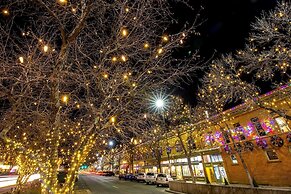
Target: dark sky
point(226, 26)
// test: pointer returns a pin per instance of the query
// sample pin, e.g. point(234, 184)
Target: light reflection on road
point(10, 180)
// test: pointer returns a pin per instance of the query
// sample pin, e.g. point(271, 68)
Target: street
point(112, 185)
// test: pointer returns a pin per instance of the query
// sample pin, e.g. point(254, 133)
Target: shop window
point(196, 159)
point(282, 124)
point(198, 170)
point(216, 158)
point(233, 159)
point(181, 160)
point(186, 171)
point(272, 155)
point(206, 158)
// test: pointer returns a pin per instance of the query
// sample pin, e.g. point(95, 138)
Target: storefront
point(214, 168)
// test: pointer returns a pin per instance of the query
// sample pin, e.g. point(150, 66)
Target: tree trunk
point(250, 178)
point(187, 154)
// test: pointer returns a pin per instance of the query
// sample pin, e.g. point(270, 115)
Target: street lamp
point(159, 105)
point(110, 143)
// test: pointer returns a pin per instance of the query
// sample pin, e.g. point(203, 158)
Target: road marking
point(115, 187)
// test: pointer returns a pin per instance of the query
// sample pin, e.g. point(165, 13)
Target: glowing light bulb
point(105, 76)
point(146, 45)
point(74, 10)
point(124, 32)
point(165, 38)
point(65, 98)
point(123, 58)
point(160, 50)
point(5, 12)
point(127, 9)
point(45, 48)
point(63, 1)
point(21, 59)
point(114, 59)
point(112, 119)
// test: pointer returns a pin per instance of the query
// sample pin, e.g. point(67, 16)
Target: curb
point(175, 192)
point(83, 191)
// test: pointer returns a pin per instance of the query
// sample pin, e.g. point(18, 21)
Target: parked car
point(163, 179)
point(121, 176)
point(108, 173)
point(129, 176)
point(140, 177)
point(150, 178)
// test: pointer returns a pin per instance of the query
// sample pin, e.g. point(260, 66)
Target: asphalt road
point(111, 185)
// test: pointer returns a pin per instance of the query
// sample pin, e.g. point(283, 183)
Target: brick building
point(262, 139)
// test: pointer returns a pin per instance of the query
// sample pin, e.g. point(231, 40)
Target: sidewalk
point(272, 189)
point(81, 187)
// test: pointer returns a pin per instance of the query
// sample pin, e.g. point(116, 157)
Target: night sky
point(225, 29)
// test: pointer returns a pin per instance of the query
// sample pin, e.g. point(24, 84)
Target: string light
point(63, 2)
point(146, 45)
point(123, 58)
point(165, 38)
point(5, 12)
point(113, 119)
point(65, 98)
point(45, 48)
point(124, 32)
point(21, 59)
point(114, 59)
point(105, 75)
point(74, 10)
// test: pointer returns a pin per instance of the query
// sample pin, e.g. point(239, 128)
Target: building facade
point(254, 134)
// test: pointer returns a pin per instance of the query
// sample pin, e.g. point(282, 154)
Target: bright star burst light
point(159, 102)
point(110, 143)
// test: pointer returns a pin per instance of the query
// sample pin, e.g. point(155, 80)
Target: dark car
point(108, 173)
point(129, 176)
point(121, 176)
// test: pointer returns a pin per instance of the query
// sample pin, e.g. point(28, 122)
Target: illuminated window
point(272, 155)
point(282, 124)
point(207, 158)
point(233, 159)
point(186, 171)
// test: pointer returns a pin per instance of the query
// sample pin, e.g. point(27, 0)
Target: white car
point(140, 177)
point(150, 178)
point(163, 179)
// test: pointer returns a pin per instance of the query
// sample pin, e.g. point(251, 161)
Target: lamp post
point(160, 106)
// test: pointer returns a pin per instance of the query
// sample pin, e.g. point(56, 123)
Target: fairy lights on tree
point(233, 78)
point(74, 72)
point(267, 52)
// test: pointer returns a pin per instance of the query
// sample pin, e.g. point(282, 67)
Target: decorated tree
point(173, 119)
point(74, 73)
point(267, 54)
point(226, 84)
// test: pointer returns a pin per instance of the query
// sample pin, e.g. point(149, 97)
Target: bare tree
point(267, 54)
point(225, 84)
point(73, 73)
point(173, 121)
